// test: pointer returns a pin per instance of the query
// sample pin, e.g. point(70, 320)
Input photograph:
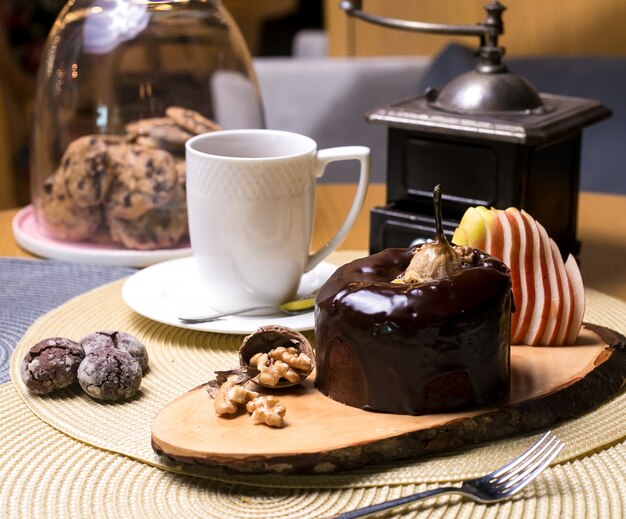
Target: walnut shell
point(268, 338)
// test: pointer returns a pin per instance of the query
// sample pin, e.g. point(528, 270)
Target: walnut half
point(231, 395)
point(268, 410)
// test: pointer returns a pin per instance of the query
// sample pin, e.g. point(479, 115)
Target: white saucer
point(32, 239)
point(165, 291)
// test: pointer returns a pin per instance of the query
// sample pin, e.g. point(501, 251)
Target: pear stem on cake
point(436, 259)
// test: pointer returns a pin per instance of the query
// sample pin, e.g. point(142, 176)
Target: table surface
point(601, 229)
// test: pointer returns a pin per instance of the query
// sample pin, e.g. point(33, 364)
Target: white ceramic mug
point(251, 199)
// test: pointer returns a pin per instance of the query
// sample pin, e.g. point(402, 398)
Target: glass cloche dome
point(122, 86)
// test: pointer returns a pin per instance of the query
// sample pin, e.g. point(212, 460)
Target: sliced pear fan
point(549, 294)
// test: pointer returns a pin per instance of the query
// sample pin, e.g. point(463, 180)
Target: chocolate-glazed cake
point(414, 331)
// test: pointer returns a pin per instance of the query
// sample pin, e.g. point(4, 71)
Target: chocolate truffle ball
point(116, 339)
point(51, 364)
point(109, 374)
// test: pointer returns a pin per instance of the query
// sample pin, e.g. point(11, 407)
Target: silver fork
point(495, 486)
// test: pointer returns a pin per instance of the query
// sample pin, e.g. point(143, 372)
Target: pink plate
point(32, 239)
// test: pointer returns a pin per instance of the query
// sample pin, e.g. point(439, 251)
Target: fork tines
point(522, 470)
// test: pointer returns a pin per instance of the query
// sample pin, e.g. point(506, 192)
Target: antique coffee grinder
point(488, 137)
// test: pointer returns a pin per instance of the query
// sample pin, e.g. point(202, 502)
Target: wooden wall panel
point(250, 15)
point(532, 27)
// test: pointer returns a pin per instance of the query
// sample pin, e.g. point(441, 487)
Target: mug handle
point(324, 157)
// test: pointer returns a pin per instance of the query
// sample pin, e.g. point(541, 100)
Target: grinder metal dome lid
point(488, 89)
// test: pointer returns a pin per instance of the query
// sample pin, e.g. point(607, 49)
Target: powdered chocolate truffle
point(109, 374)
point(116, 339)
point(51, 364)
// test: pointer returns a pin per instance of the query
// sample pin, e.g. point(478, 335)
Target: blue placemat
point(30, 288)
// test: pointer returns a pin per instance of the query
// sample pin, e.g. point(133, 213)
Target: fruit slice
point(556, 292)
point(540, 307)
point(578, 299)
point(505, 245)
point(476, 229)
point(500, 236)
point(523, 282)
point(566, 297)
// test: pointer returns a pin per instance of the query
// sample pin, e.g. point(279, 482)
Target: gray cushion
point(327, 99)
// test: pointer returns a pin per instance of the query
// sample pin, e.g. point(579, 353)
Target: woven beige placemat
point(182, 359)
point(45, 473)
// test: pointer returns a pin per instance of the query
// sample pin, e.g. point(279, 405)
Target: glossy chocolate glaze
point(414, 348)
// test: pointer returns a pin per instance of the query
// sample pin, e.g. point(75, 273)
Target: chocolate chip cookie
point(159, 228)
point(143, 179)
point(158, 132)
point(62, 217)
point(181, 172)
point(191, 121)
point(84, 170)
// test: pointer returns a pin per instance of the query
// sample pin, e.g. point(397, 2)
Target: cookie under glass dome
point(122, 86)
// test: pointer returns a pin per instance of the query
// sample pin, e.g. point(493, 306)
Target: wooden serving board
point(548, 385)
